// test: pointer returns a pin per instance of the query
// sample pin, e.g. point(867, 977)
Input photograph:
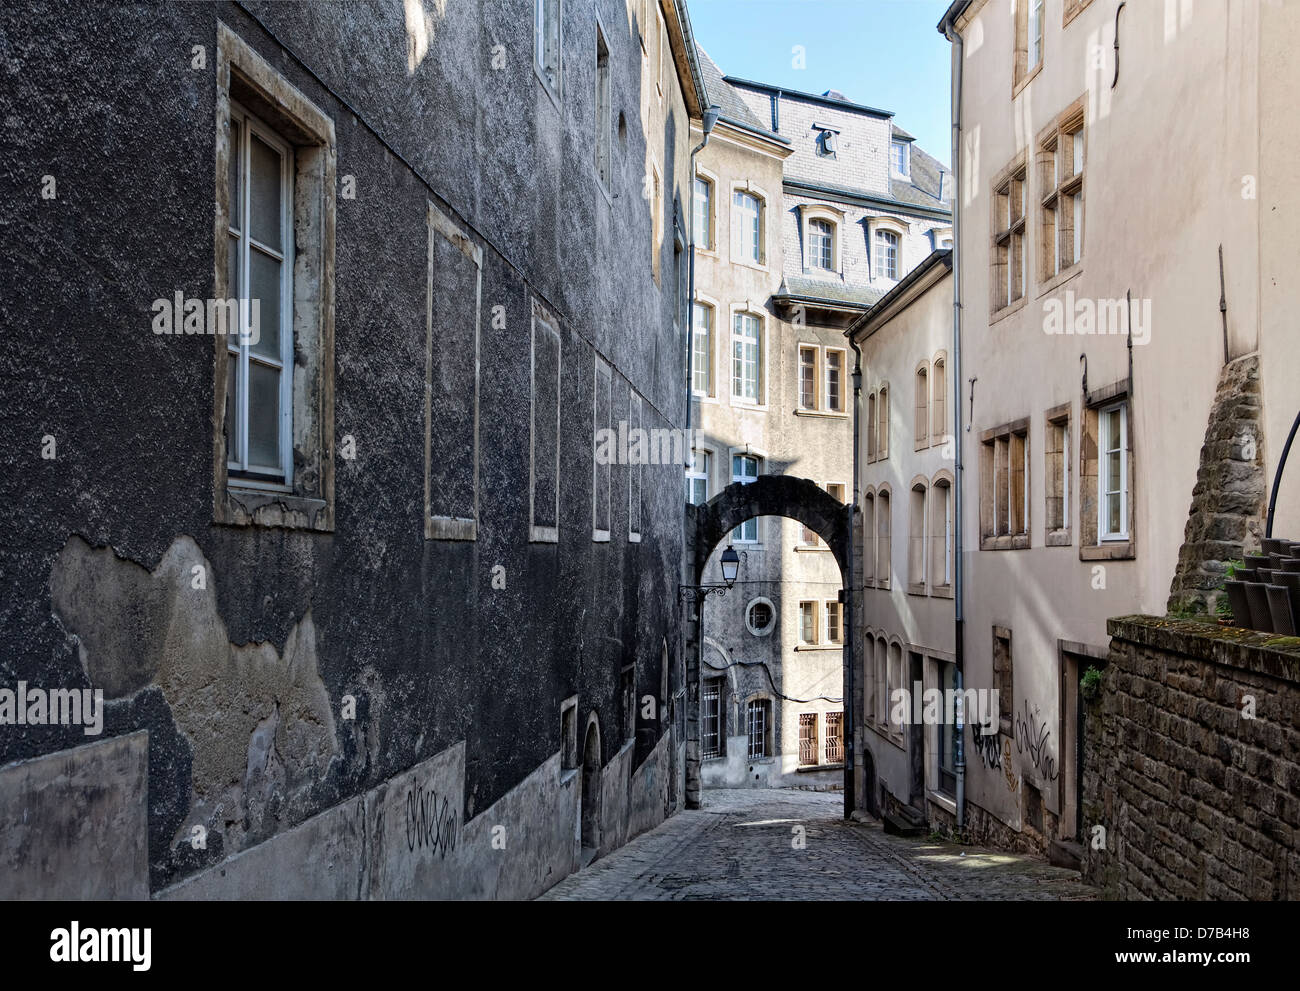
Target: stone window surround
point(820, 371)
point(869, 536)
point(1048, 143)
point(696, 471)
point(1015, 171)
point(895, 226)
point(809, 212)
point(309, 503)
point(992, 541)
point(764, 202)
point(753, 309)
point(446, 527)
point(556, 91)
point(763, 631)
point(938, 409)
point(932, 662)
point(569, 735)
point(921, 405)
point(604, 106)
point(1021, 73)
point(1090, 549)
point(541, 315)
point(1057, 416)
point(943, 478)
point(884, 543)
point(1004, 681)
point(769, 727)
point(1071, 9)
point(920, 485)
point(599, 534)
point(712, 305)
point(879, 430)
point(635, 473)
point(715, 209)
point(656, 187)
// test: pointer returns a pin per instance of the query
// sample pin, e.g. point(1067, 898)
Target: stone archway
point(707, 526)
point(591, 782)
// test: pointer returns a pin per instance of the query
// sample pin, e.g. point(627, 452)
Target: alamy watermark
point(638, 446)
point(57, 706)
point(1088, 316)
point(181, 315)
point(942, 706)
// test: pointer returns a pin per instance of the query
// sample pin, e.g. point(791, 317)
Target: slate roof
point(835, 292)
point(719, 91)
point(922, 187)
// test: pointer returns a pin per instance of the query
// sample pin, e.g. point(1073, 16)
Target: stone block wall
point(1192, 764)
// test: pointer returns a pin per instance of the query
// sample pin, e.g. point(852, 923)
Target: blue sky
point(884, 53)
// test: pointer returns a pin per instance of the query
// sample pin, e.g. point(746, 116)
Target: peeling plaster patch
point(260, 723)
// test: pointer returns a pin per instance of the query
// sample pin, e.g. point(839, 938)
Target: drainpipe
point(959, 629)
point(850, 583)
point(710, 118)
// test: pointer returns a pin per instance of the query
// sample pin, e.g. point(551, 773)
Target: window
point(869, 538)
point(821, 379)
point(827, 137)
point(702, 355)
point(834, 380)
point(899, 159)
point(758, 721)
point(569, 733)
point(656, 220)
point(760, 617)
point(697, 479)
point(703, 213)
point(882, 538)
point(1009, 238)
point(1004, 487)
point(882, 424)
point(807, 377)
point(821, 244)
point(834, 738)
point(896, 680)
point(1004, 678)
point(747, 227)
point(916, 556)
point(881, 682)
point(871, 427)
point(747, 359)
point(807, 739)
point(808, 622)
point(941, 535)
point(939, 401)
point(948, 733)
point(745, 469)
point(713, 737)
point(546, 54)
point(601, 415)
point(922, 420)
point(627, 691)
point(604, 111)
point(1060, 171)
point(886, 255)
point(1056, 481)
point(545, 429)
point(259, 418)
point(1028, 41)
point(834, 626)
point(809, 537)
point(1112, 450)
point(272, 317)
point(634, 410)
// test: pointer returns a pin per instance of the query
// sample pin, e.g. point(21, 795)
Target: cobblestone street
point(743, 845)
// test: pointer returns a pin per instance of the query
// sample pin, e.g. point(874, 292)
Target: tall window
point(697, 479)
point(941, 533)
point(1056, 465)
point(898, 157)
point(546, 53)
point(758, 718)
point(807, 377)
point(1035, 32)
point(656, 221)
point(821, 244)
point(1004, 488)
point(1009, 239)
point(747, 227)
point(1028, 39)
point(602, 408)
point(834, 624)
point(808, 622)
point(1112, 503)
point(702, 343)
point(747, 359)
point(807, 738)
point(259, 380)
point(922, 423)
point(939, 401)
point(882, 423)
point(604, 111)
point(886, 255)
point(916, 576)
point(834, 738)
point(948, 734)
point(745, 469)
point(872, 416)
point(712, 734)
point(821, 379)
point(834, 380)
point(869, 538)
point(1060, 167)
point(703, 213)
point(882, 538)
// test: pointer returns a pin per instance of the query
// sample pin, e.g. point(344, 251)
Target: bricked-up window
point(941, 534)
point(922, 406)
point(881, 682)
point(758, 722)
point(807, 739)
point(702, 359)
point(939, 400)
point(1004, 487)
point(882, 423)
point(869, 538)
point(272, 319)
point(896, 680)
point(1028, 40)
point(834, 624)
point(544, 443)
point(703, 213)
point(1056, 477)
point(712, 731)
point(871, 427)
point(546, 46)
point(1060, 179)
point(601, 415)
point(1008, 278)
point(916, 556)
point(883, 524)
point(834, 738)
point(604, 111)
point(1003, 678)
point(808, 622)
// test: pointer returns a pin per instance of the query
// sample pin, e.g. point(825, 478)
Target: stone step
point(1065, 853)
point(898, 826)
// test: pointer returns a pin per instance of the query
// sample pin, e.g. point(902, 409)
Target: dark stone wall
point(106, 100)
point(1192, 764)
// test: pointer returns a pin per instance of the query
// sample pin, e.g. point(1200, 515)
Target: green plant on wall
point(1221, 604)
point(1090, 683)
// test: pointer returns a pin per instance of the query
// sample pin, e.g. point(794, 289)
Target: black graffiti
point(1034, 738)
point(986, 745)
point(430, 824)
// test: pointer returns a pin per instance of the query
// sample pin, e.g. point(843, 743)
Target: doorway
point(591, 793)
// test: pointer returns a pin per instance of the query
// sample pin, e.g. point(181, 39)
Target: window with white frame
point(546, 49)
point(833, 621)
point(702, 350)
point(760, 617)
point(1112, 503)
point(886, 256)
point(1028, 40)
point(744, 469)
point(703, 213)
point(758, 722)
point(821, 244)
point(697, 479)
point(900, 157)
point(747, 359)
point(746, 227)
point(808, 622)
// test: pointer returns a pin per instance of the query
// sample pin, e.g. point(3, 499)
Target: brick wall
point(1198, 799)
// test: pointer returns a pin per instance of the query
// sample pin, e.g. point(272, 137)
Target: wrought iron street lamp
point(730, 569)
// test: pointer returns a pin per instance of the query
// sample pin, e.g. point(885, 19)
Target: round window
point(760, 617)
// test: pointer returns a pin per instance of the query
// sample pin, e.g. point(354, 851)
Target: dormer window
point(827, 140)
point(899, 158)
